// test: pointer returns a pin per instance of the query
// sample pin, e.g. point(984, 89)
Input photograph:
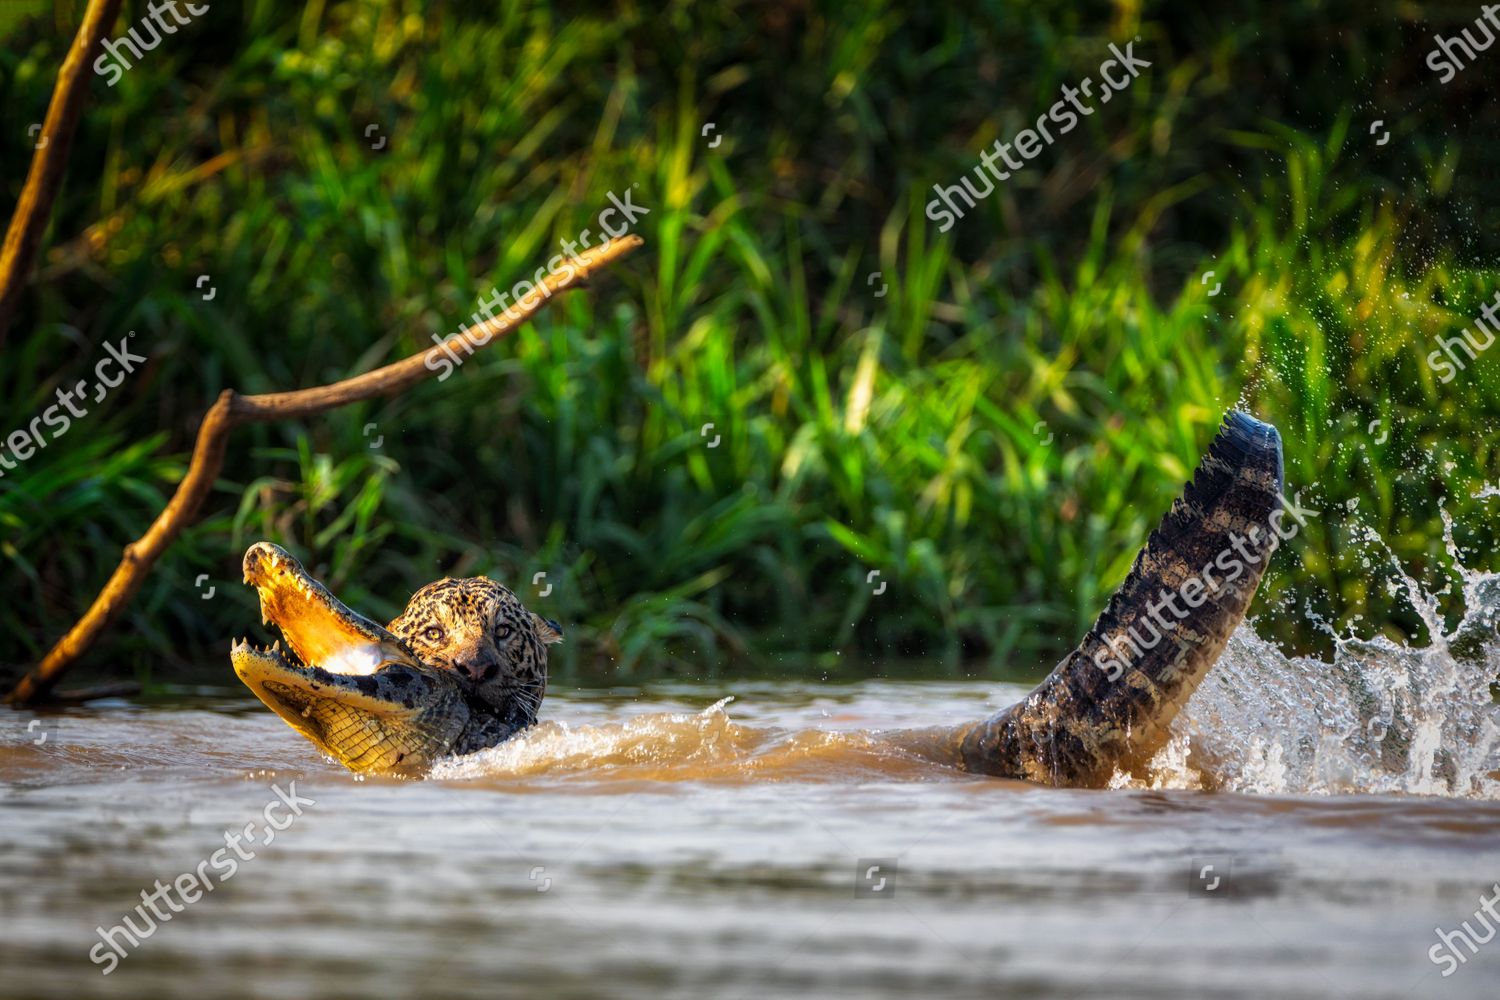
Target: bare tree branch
point(50, 159)
point(231, 410)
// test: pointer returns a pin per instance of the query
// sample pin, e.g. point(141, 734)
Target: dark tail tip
point(1239, 479)
point(1243, 446)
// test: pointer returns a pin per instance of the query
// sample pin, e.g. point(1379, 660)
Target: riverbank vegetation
point(990, 418)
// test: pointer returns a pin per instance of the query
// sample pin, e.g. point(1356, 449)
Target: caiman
point(464, 667)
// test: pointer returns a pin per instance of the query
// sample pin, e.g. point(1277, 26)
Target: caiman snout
point(344, 682)
point(256, 558)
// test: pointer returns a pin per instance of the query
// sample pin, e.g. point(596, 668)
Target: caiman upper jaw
point(318, 627)
point(358, 693)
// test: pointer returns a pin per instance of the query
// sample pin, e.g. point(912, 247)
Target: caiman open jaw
point(348, 685)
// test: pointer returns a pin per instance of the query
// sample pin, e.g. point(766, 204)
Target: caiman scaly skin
point(464, 667)
point(1109, 704)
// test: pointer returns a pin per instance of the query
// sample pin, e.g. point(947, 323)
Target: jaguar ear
point(547, 630)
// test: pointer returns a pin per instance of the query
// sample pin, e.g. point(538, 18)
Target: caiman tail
point(1108, 705)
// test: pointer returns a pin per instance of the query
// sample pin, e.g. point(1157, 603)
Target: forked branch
point(231, 410)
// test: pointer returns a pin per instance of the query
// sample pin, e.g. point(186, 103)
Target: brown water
point(653, 843)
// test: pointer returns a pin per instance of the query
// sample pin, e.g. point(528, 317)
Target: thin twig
point(50, 160)
point(231, 410)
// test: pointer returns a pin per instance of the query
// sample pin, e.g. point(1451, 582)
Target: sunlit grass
point(992, 419)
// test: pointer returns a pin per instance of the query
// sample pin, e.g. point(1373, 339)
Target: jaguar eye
point(505, 631)
point(432, 633)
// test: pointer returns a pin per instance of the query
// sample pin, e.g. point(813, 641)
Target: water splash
point(708, 746)
point(1380, 717)
point(641, 741)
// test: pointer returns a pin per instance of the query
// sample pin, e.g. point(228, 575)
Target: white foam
point(1380, 716)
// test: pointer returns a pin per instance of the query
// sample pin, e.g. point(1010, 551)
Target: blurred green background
point(993, 418)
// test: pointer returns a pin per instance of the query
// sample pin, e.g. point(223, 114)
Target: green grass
point(858, 431)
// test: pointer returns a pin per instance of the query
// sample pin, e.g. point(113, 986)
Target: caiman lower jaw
point(348, 685)
point(398, 720)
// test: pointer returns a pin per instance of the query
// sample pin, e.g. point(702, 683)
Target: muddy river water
point(652, 841)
